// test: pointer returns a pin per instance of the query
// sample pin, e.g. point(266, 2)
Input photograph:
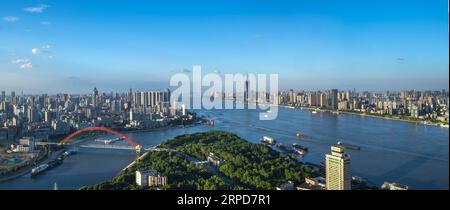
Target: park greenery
point(245, 165)
point(253, 166)
point(180, 173)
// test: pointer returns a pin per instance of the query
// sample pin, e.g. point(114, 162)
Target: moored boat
point(268, 140)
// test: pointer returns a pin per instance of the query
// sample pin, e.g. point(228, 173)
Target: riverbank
point(418, 121)
point(45, 158)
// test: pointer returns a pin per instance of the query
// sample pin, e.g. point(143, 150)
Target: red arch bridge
point(133, 145)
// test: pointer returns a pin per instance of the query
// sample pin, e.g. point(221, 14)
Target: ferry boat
point(268, 140)
point(108, 141)
point(299, 135)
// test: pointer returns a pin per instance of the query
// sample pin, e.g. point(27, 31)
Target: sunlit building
point(338, 173)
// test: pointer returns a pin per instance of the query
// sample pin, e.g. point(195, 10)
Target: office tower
point(334, 98)
point(47, 116)
point(144, 100)
point(292, 96)
point(3, 96)
point(168, 95)
point(338, 174)
point(32, 115)
point(95, 97)
point(13, 98)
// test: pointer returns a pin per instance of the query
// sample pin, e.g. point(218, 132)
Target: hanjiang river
point(409, 153)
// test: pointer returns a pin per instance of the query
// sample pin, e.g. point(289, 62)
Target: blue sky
point(72, 46)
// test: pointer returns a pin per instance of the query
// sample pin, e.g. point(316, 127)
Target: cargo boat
point(39, 169)
point(284, 148)
point(298, 146)
point(44, 167)
point(349, 146)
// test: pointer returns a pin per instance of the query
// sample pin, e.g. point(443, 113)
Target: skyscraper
point(13, 98)
point(246, 92)
point(334, 98)
point(95, 97)
point(338, 172)
point(31, 114)
point(130, 95)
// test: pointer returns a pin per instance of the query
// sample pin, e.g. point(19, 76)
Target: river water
point(409, 153)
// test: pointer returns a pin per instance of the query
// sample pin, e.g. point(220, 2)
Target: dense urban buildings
point(43, 117)
point(27, 121)
point(408, 104)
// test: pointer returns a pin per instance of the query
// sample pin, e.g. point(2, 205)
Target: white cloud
point(22, 63)
point(42, 51)
point(11, 19)
point(37, 9)
point(19, 61)
point(45, 23)
point(36, 51)
point(26, 66)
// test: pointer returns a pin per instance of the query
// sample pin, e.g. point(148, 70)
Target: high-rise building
point(338, 172)
point(95, 97)
point(47, 116)
point(334, 98)
point(292, 97)
point(246, 92)
point(32, 115)
point(130, 95)
point(323, 100)
point(13, 98)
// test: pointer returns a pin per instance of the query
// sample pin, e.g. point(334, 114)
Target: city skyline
point(286, 90)
point(56, 47)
